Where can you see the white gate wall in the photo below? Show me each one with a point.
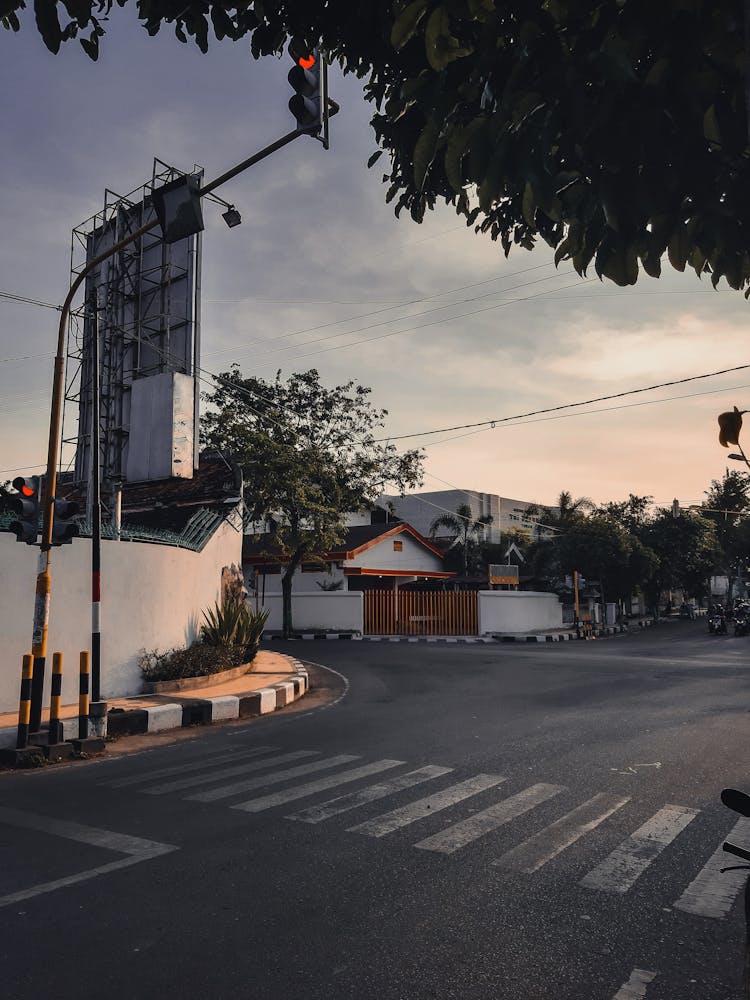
(518, 611)
(153, 597)
(336, 611)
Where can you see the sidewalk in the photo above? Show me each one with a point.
(276, 681)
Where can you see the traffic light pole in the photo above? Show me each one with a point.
(44, 579)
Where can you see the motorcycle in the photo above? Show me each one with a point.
(742, 622)
(739, 802)
(717, 624)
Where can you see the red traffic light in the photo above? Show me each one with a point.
(306, 62)
(27, 491)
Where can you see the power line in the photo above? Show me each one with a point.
(29, 301)
(567, 406)
(378, 312)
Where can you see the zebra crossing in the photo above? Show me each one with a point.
(276, 777)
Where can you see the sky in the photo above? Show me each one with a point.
(321, 274)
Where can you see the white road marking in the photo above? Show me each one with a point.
(711, 893)
(290, 794)
(165, 772)
(316, 814)
(224, 791)
(388, 822)
(460, 834)
(228, 772)
(635, 987)
(620, 869)
(530, 855)
(136, 848)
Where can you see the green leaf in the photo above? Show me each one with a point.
(48, 23)
(441, 47)
(679, 248)
(454, 154)
(528, 204)
(711, 126)
(406, 23)
(223, 26)
(424, 152)
(91, 46)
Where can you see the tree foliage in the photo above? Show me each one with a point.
(308, 455)
(686, 550)
(467, 532)
(616, 131)
(727, 506)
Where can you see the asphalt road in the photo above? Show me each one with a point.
(509, 822)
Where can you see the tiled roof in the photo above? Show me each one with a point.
(256, 547)
(170, 503)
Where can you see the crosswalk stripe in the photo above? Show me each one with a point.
(228, 772)
(711, 893)
(530, 855)
(165, 772)
(390, 821)
(290, 794)
(620, 869)
(343, 803)
(462, 833)
(224, 791)
(635, 987)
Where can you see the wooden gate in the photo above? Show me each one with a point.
(420, 613)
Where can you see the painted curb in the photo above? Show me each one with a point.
(192, 711)
(598, 632)
(206, 711)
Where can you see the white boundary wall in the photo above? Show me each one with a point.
(518, 611)
(336, 611)
(153, 597)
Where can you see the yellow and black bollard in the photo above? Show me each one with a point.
(83, 695)
(24, 708)
(55, 726)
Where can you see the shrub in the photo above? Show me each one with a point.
(233, 623)
(199, 660)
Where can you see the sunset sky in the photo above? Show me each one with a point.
(321, 274)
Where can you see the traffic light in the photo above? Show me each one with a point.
(64, 528)
(26, 505)
(308, 79)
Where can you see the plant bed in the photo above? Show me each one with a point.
(196, 662)
(195, 683)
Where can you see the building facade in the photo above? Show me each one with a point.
(421, 510)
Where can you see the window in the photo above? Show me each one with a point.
(398, 546)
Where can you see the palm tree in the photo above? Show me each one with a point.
(563, 515)
(465, 528)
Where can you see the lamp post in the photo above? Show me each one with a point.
(176, 205)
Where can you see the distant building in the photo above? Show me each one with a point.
(421, 509)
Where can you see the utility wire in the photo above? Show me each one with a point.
(567, 406)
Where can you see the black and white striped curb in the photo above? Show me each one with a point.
(192, 711)
(597, 631)
(204, 711)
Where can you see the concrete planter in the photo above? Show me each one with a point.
(195, 683)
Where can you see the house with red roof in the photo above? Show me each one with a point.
(371, 557)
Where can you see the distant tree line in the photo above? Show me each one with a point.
(629, 547)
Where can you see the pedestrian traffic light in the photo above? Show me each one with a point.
(64, 528)
(26, 505)
(307, 78)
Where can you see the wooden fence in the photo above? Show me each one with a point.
(420, 613)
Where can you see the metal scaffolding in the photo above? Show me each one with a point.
(149, 320)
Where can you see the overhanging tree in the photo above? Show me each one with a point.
(614, 130)
(308, 455)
